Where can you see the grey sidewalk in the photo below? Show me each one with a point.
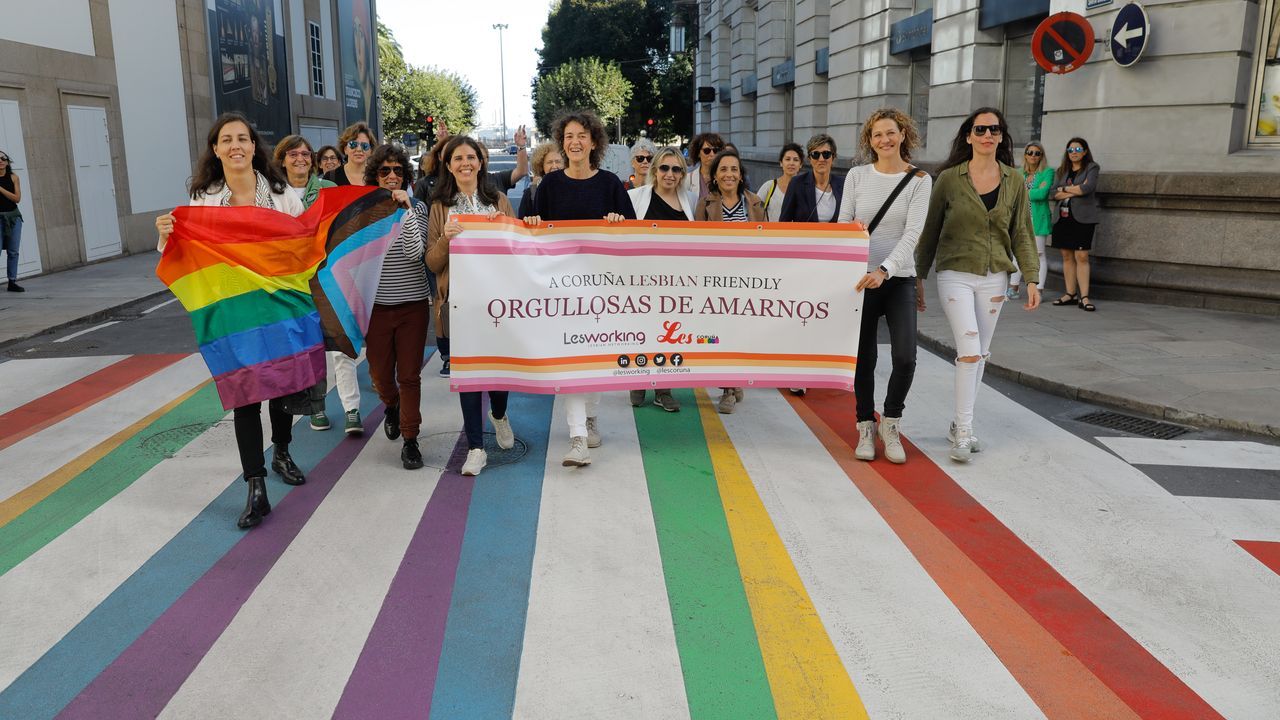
(84, 293)
(1203, 367)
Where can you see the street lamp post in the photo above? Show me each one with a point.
(502, 74)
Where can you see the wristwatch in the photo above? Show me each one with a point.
(884, 270)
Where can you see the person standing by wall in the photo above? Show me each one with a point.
(10, 219)
(774, 192)
(1074, 188)
(1039, 178)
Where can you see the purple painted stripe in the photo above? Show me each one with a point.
(272, 378)
(396, 673)
(144, 678)
(759, 379)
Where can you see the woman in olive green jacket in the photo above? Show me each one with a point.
(979, 221)
(1039, 178)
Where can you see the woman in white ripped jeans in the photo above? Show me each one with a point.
(979, 221)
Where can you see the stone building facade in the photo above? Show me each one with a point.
(1187, 137)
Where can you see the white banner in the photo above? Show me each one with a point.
(585, 306)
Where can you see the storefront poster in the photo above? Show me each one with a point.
(357, 40)
(584, 306)
(1269, 94)
(246, 41)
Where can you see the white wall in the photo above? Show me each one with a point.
(12, 143)
(57, 24)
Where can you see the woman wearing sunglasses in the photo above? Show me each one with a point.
(397, 332)
(10, 218)
(641, 161)
(815, 196)
(1074, 186)
(1039, 178)
(356, 141)
(660, 199)
(702, 149)
(979, 218)
(462, 191)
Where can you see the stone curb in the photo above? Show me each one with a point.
(95, 315)
(1120, 402)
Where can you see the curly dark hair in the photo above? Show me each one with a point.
(695, 145)
(388, 153)
(447, 185)
(591, 124)
(712, 186)
(209, 172)
(961, 151)
(791, 147)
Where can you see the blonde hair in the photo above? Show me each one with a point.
(658, 156)
(539, 156)
(907, 126)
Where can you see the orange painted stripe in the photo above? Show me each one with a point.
(29, 419)
(1126, 667)
(1267, 553)
(460, 360)
(1054, 678)
(628, 227)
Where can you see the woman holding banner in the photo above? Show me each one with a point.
(728, 201)
(235, 171)
(890, 197)
(660, 198)
(462, 191)
(979, 220)
(581, 192)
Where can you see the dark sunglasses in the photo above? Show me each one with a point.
(352, 145)
(386, 171)
(670, 169)
(821, 155)
(981, 130)
(1034, 153)
(1076, 149)
(643, 158)
(4, 158)
(711, 150)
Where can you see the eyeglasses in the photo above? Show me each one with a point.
(710, 149)
(298, 154)
(821, 155)
(1034, 153)
(670, 169)
(981, 130)
(386, 171)
(1075, 149)
(643, 158)
(352, 145)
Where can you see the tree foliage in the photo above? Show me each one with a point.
(585, 84)
(410, 93)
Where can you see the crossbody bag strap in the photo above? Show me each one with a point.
(912, 171)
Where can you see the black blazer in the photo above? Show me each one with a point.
(801, 206)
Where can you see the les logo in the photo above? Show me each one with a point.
(672, 335)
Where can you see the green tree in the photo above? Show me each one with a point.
(411, 93)
(585, 84)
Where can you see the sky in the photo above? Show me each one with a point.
(467, 44)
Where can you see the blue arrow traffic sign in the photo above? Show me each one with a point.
(1130, 34)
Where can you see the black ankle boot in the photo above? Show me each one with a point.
(282, 464)
(15, 287)
(391, 422)
(257, 506)
(410, 455)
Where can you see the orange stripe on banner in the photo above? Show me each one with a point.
(613, 364)
(459, 360)
(1054, 678)
(628, 227)
(29, 419)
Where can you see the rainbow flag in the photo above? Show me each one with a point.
(247, 276)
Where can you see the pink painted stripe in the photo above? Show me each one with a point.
(811, 252)
(145, 677)
(271, 379)
(395, 675)
(642, 382)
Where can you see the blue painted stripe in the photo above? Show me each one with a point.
(480, 659)
(261, 344)
(53, 681)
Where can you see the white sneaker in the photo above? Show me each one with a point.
(578, 454)
(974, 444)
(476, 460)
(893, 450)
(728, 399)
(866, 449)
(505, 436)
(961, 444)
(593, 433)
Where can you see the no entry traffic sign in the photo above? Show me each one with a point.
(1062, 43)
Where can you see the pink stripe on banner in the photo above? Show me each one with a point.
(641, 382)
(364, 261)
(271, 379)
(395, 676)
(627, 249)
(144, 678)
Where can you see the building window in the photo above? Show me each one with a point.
(918, 101)
(317, 60)
(1264, 111)
(1023, 89)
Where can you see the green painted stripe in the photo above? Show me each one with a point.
(249, 310)
(105, 479)
(724, 675)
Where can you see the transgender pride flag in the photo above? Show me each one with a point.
(268, 292)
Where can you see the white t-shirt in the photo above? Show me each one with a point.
(826, 203)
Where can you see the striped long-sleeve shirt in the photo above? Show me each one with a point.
(893, 244)
(404, 275)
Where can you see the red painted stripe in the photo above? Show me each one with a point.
(1268, 553)
(1119, 661)
(29, 419)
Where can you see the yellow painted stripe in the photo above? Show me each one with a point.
(219, 282)
(805, 673)
(49, 484)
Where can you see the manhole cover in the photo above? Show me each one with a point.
(171, 440)
(1143, 427)
(437, 448)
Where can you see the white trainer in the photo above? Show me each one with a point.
(578, 454)
(866, 449)
(961, 444)
(974, 445)
(476, 460)
(505, 436)
(728, 399)
(593, 433)
(893, 450)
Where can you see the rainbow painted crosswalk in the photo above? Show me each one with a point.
(705, 566)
